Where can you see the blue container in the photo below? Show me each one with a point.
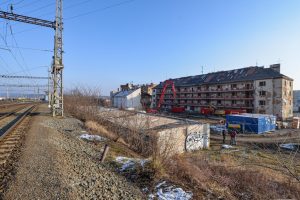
(251, 123)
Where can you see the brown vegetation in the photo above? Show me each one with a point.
(209, 174)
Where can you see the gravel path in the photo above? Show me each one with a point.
(57, 164)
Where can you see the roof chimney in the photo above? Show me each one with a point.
(275, 67)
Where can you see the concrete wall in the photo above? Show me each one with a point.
(130, 101)
(278, 99)
(296, 104)
(133, 100)
(184, 139)
(268, 98)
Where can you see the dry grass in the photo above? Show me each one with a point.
(99, 129)
(209, 174)
(223, 177)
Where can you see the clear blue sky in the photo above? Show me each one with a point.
(145, 41)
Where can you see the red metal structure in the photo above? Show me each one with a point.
(167, 83)
(175, 109)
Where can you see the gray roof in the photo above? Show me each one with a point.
(237, 75)
(124, 93)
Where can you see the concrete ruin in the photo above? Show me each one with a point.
(165, 135)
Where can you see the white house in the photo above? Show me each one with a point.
(127, 99)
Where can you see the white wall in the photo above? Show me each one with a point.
(133, 100)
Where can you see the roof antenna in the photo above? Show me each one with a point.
(11, 8)
(256, 63)
(202, 69)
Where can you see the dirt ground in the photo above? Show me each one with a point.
(56, 164)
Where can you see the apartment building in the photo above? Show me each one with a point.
(296, 101)
(254, 89)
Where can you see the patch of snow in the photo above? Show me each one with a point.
(289, 146)
(226, 146)
(92, 137)
(129, 163)
(170, 192)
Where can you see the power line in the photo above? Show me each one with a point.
(40, 8)
(27, 48)
(31, 69)
(101, 9)
(22, 57)
(18, 2)
(23, 77)
(80, 15)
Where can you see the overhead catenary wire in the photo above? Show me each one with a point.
(80, 15)
(100, 9)
(21, 55)
(27, 48)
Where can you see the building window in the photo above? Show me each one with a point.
(234, 94)
(233, 86)
(285, 82)
(262, 103)
(219, 94)
(262, 83)
(219, 101)
(233, 102)
(219, 86)
(262, 93)
(291, 83)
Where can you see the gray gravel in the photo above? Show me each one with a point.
(81, 170)
(57, 164)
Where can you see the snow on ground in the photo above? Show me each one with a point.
(129, 163)
(165, 191)
(226, 146)
(289, 146)
(92, 137)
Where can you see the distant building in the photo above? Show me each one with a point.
(146, 96)
(127, 97)
(132, 97)
(296, 108)
(254, 89)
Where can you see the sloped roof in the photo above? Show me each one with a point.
(242, 74)
(125, 93)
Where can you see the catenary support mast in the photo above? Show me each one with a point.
(57, 64)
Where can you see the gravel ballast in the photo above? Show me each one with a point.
(57, 164)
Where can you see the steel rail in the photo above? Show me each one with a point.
(11, 113)
(14, 123)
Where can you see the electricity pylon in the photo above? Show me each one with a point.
(57, 99)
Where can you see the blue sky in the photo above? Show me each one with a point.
(144, 41)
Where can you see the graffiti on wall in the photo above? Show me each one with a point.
(196, 140)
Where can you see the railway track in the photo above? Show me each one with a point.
(12, 128)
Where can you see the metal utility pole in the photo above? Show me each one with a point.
(57, 64)
(57, 68)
